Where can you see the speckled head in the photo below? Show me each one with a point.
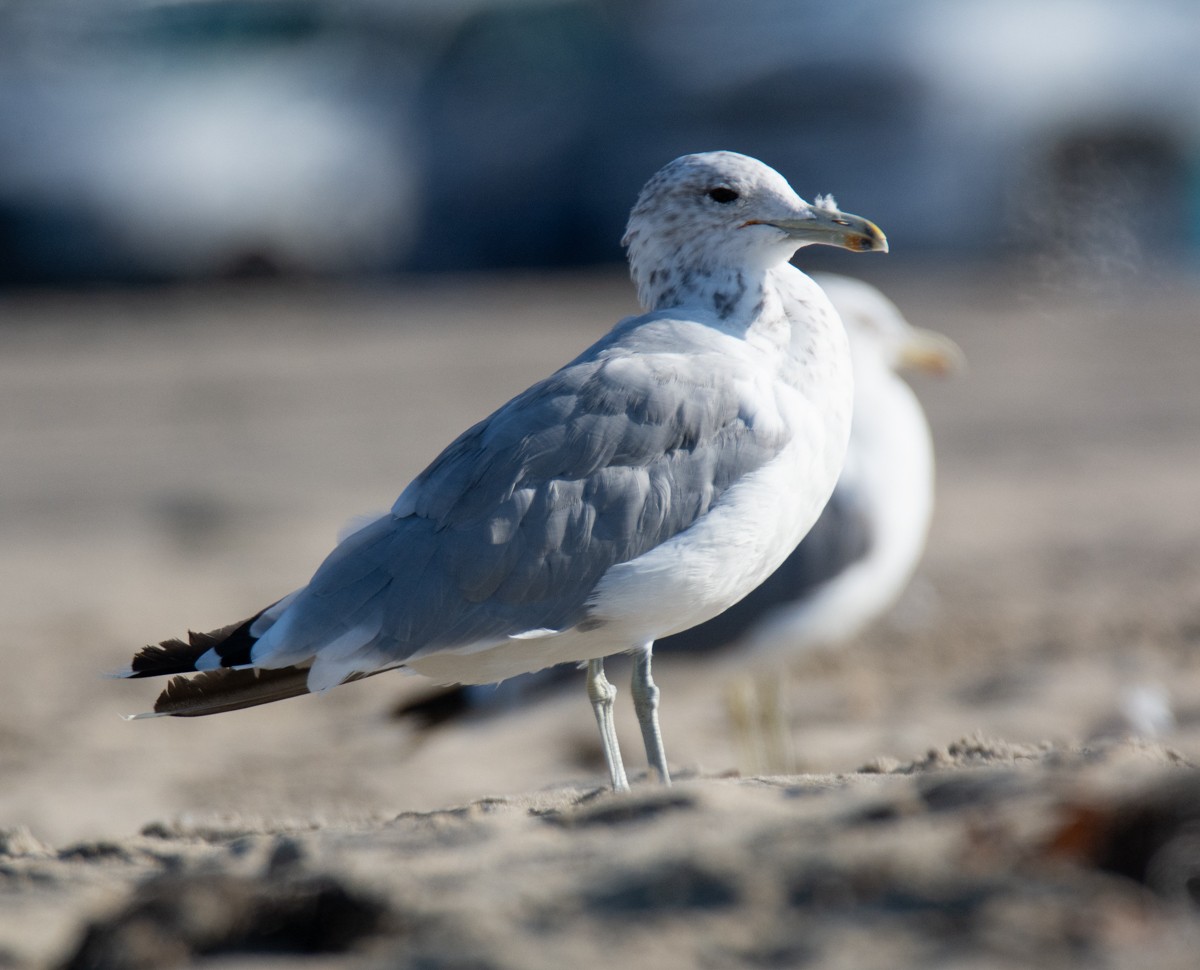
(721, 212)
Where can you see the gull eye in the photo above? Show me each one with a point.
(723, 195)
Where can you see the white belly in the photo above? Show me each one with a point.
(890, 472)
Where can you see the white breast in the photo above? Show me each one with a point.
(750, 531)
(889, 471)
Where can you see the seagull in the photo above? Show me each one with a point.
(640, 490)
(857, 558)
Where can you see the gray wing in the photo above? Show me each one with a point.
(839, 538)
(511, 527)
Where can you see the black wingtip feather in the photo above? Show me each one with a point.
(232, 644)
(221, 690)
(218, 691)
(434, 710)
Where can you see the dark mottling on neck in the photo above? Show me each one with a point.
(726, 301)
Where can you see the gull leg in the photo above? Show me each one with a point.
(601, 693)
(741, 702)
(777, 740)
(758, 714)
(645, 704)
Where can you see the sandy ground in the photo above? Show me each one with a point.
(964, 790)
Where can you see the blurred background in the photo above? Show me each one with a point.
(143, 140)
(261, 259)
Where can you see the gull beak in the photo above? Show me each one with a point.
(830, 227)
(931, 353)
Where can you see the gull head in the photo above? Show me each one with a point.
(880, 335)
(724, 212)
